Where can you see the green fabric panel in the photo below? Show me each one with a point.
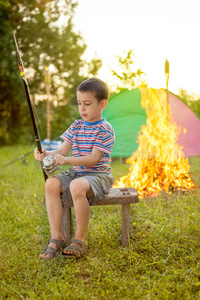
(126, 115)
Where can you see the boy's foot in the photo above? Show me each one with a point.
(75, 249)
(52, 249)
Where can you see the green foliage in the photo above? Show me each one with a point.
(161, 262)
(62, 117)
(43, 41)
(129, 78)
(195, 107)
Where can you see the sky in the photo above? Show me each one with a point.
(155, 29)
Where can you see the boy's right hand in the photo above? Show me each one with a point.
(39, 156)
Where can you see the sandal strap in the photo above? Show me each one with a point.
(49, 250)
(77, 250)
(60, 243)
(77, 242)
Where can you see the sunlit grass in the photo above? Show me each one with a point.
(162, 261)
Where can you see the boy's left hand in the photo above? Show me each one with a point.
(61, 160)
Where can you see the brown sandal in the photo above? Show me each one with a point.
(50, 250)
(77, 250)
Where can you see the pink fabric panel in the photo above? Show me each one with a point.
(185, 118)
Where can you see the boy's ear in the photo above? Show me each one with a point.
(103, 103)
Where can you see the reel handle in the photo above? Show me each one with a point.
(49, 165)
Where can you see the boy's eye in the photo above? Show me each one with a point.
(86, 104)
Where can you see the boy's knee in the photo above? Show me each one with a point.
(77, 188)
(52, 185)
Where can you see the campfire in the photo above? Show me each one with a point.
(159, 163)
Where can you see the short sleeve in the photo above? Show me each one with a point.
(68, 134)
(105, 141)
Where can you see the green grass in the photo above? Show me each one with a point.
(162, 261)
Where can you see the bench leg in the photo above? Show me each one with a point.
(67, 223)
(125, 224)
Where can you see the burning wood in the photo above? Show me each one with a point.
(159, 163)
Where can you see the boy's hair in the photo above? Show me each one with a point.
(96, 86)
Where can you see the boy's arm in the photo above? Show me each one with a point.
(63, 150)
(87, 160)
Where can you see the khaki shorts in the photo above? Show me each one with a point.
(100, 184)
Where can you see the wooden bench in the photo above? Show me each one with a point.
(116, 196)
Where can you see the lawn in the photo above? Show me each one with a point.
(162, 261)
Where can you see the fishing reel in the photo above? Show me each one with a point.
(50, 165)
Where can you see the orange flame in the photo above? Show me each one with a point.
(159, 163)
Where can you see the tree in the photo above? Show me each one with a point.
(129, 79)
(43, 41)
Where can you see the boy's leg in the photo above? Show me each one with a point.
(80, 189)
(54, 211)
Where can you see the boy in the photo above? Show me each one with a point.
(91, 140)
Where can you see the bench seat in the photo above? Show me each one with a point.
(116, 196)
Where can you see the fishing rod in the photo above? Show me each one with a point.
(22, 157)
(27, 91)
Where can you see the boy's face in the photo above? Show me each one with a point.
(89, 107)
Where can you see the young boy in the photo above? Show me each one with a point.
(91, 140)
